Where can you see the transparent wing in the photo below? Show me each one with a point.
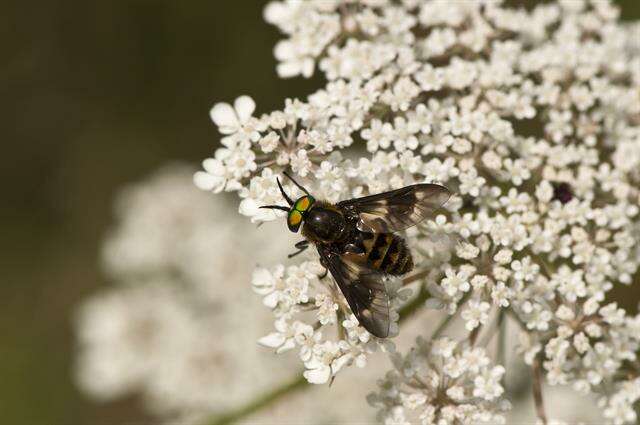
(363, 289)
(397, 209)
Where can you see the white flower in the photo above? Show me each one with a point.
(300, 162)
(231, 119)
(503, 256)
(269, 142)
(284, 337)
(518, 172)
(323, 364)
(443, 347)
(537, 316)
(501, 294)
(378, 135)
(487, 385)
(214, 176)
(307, 339)
(476, 314)
(327, 308)
(467, 251)
(471, 183)
(442, 366)
(270, 284)
(263, 190)
(455, 366)
(525, 270)
(455, 282)
(620, 407)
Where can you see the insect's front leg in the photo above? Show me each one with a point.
(353, 249)
(323, 275)
(326, 268)
(301, 246)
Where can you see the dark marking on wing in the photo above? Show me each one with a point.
(376, 251)
(362, 287)
(397, 209)
(381, 250)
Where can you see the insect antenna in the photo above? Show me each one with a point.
(296, 183)
(275, 207)
(286, 197)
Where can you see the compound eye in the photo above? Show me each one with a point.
(294, 220)
(303, 203)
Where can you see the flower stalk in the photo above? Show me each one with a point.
(537, 390)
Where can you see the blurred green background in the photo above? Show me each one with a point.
(96, 94)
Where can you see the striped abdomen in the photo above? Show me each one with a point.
(387, 252)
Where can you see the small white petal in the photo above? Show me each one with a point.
(244, 108)
(288, 345)
(223, 115)
(205, 181)
(275, 12)
(272, 340)
(281, 325)
(340, 362)
(248, 207)
(284, 50)
(318, 376)
(213, 166)
(307, 68)
(271, 300)
(287, 69)
(262, 281)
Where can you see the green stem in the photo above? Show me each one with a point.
(294, 385)
(410, 308)
(517, 319)
(502, 342)
(537, 389)
(442, 326)
(445, 322)
(502, 337)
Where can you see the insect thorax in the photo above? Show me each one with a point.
(324, 223)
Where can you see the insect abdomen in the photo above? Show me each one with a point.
(387, 252)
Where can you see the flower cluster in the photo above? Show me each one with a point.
(176, 326)
(620, 406)
(531, 117)
(297, 292)
(441, 381)
(532, 125)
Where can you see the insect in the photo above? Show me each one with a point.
(356, 242)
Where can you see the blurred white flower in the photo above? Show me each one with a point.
(121, 332)
(179, 259)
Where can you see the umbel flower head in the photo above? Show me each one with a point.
(441, 381)
(531, 117)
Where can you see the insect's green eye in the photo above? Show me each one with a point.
(294, 220)
(304, 203)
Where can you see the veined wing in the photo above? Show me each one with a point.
(397, 209)
(363, 289)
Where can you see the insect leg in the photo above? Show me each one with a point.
(301, 246)
(353, 248)
(323, 275)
